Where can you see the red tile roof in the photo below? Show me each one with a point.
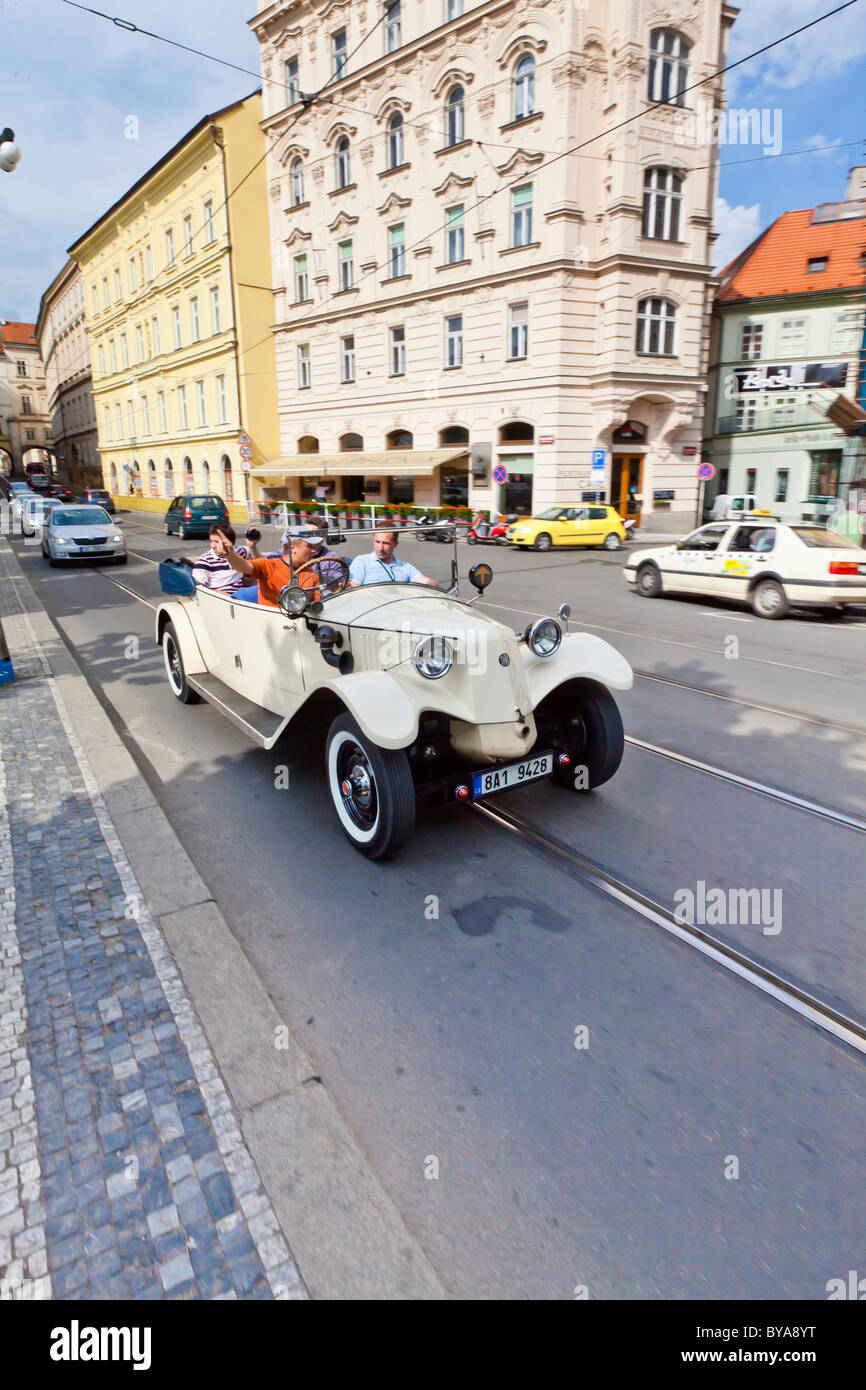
(18, 334)
(777, 262)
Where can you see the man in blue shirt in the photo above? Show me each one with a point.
(382, 565)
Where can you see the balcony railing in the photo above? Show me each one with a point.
(773, 419)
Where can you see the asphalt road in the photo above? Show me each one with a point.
(608, 1166)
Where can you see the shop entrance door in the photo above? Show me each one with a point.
(626, 483)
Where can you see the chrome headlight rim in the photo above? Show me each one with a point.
(446, 657)
(534, 637)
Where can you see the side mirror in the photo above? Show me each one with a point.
(480, 576)
(564, 612)
(293, 600)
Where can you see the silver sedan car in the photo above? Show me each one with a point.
(82, 533)
(35, 512)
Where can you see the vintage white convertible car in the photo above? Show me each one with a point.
(422, 693)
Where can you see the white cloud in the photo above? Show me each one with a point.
(737, 228)
(822, 51)
(825, 146)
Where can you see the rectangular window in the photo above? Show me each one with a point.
(816, 263)
(145, 416)
(139, 338)
(94, 298)
(169, 246)
(781, 494)
(209, 223)
(112, 352)
(133, 275)
(751, 476)
(347, 358)
(521, 215)
(847, 331)
(101, 351)
(175, 323)
(105, 296)
(301, 279)
(188, 236)
(784, 409)
(202, 403)
(746, 409)
(398, 351)
(181, 407)
(518, 330)
(26, 405)
(194, 319)
(222, 400)
(824, 475)
(130, 416)
(304, 376)
(751, 335)
(792, 335)
(124, 350)
(454, 341)
(347, 272)
(454, 9)
(118, 420)
(107, 414)
(216, 311)
(397, 249)
(338, 48)
(118, 285)
(148, 255)
(21, 368)
(160, 405)
(392, 26)
(454, 234)
(154, 336)
(293, 89)
(31, 434)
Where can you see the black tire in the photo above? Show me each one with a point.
(648, 581)
(421, 536)
(582, 718)
(471, 540)
(173, 660)
(769, 600)
(371, 788)
(834, 615)
(167, 529)
(543, 542)
(121, 559)
(52, 562)
(612, 542)
(181, 531)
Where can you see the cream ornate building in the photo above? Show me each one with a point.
(455, 289)
(62, 336)
(25, 425)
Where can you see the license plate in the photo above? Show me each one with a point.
(500, 779)
(209, 516)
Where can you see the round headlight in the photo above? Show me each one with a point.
(433, 657)
(544, 636)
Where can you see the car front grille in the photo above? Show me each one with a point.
(89, 540)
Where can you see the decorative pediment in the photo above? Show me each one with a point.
(291, 150)
(393, 102)
(332, 7)
(521, 162)
(341, 221)
(286, 37)
(393, 203)
(453, 76)
(518, 46)
(454, 184)
(296, 238)
(337, 131)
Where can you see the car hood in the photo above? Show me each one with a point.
(101, 529)
(380, 609)
(658, 552)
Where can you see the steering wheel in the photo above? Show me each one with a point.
(327, 560)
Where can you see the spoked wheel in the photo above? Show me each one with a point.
(542, 542)
(769, 599)
(648, 582)
(582, 719)
(180, 687)
(371, 789)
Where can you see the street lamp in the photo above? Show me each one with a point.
(9, 151)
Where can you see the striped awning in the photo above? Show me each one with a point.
(400, 463)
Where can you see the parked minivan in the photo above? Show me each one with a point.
(195, 515)
(728, 506)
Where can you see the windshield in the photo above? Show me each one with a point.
(826, 540)
(551, 514)
(79, 516)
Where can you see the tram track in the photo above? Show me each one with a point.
(809, 1007)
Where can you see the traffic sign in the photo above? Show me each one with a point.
(243, 438)
(599, 463)
(706, 471)
(689, 450)
(500, 473)
(245, 465)
(547, 439)
(245, 452)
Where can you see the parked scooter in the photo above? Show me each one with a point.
(628, 525)
(484, 532)
(432, 528)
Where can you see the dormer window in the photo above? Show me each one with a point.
(817, 263)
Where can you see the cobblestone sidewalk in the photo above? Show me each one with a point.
(123, 1172)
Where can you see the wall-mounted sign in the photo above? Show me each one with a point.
(547, 439)
(480, 462)
(663, 495)
(789, 376)
(597, 496)
(599, 463)
(689, 450)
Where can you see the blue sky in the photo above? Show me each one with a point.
(70, 80)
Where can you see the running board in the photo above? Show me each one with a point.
(261, 725)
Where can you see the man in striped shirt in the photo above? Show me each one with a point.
(212, 571)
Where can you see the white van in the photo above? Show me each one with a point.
(728, 506)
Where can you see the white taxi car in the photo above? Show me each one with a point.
(766, 563)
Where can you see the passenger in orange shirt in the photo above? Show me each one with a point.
(272, 575)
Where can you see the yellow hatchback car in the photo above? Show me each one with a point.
(564, 525)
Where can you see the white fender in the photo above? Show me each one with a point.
(190, 652)
(383, 710)
(580, 655)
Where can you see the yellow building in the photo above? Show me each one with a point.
(177, 278)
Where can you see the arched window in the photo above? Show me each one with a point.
(395, 141)
(136, 477)
(524, 88)
(398, 439)
(308, 444)
(656, 323)
(167, 479)
(151, 478)
(516, 431)
(113, 476)
(350, 442)
(668, 66)
(662, 199)
(297, 179)
(454, 434)
(454, 117)
(188, 479)
(226, 469)
(344, 163)
(205, 476)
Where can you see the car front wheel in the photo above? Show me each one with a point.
(180, 687)
(648, 581)
(769, 600)
(542, 542)
(581, 718)
(371, 788)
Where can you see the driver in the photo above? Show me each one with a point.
(383, 565)
(272, 573)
